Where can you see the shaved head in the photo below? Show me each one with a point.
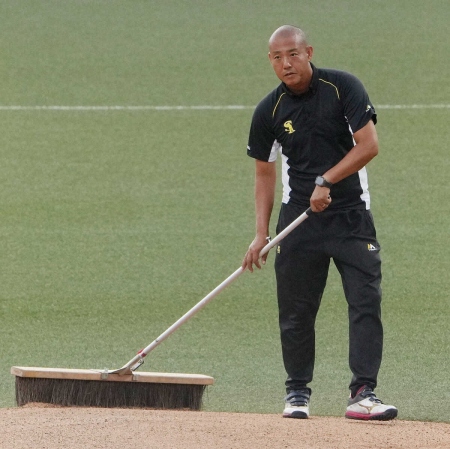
(290, 56)
(289, 31)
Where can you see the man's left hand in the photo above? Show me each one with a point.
(320, 199)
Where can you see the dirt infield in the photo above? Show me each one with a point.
(40, 427)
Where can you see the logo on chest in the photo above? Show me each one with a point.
(288, 127)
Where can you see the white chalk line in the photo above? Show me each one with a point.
(124, 108)
(189, 108)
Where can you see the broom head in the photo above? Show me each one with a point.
(96, 388)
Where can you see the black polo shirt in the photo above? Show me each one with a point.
(313, 132)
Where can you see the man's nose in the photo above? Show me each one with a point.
(286, 62)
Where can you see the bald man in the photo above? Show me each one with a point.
(322, 124)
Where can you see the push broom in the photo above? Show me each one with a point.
(124, 387)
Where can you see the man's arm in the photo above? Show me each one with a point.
(362, 153)
(265, 180)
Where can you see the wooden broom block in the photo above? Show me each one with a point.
(90, 374)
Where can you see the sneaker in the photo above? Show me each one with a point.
(365, 405)
(296, 404)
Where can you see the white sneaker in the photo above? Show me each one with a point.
(296, 404)
(365, 405)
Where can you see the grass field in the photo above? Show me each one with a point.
(115, 222)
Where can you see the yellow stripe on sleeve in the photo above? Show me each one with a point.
(275, 108)
(331, 84)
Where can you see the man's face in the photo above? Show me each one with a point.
(290, 58)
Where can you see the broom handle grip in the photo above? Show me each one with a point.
(214, 292)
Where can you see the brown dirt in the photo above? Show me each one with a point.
(45, 427)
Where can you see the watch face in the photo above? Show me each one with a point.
(322, 182)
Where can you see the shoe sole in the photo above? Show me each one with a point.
(296, 415)
(386, 416)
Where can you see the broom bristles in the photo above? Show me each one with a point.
(92, 393)
(68, 387)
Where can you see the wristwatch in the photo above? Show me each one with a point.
(322, 182)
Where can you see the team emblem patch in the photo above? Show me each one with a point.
(288, 127)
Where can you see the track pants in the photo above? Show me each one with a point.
(301, 265)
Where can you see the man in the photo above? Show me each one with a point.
(323, 124)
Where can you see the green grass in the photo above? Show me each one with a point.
(114, 224)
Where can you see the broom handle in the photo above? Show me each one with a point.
(138, 357)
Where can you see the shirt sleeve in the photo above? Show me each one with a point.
(358, 108)
(262, 144)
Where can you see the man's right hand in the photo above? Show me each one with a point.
(252, 255)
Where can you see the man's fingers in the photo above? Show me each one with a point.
(252, 258)
(257, 263)
(320, 204)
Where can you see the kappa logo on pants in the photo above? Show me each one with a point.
(370, 247)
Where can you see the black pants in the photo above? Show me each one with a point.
(302, 262)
